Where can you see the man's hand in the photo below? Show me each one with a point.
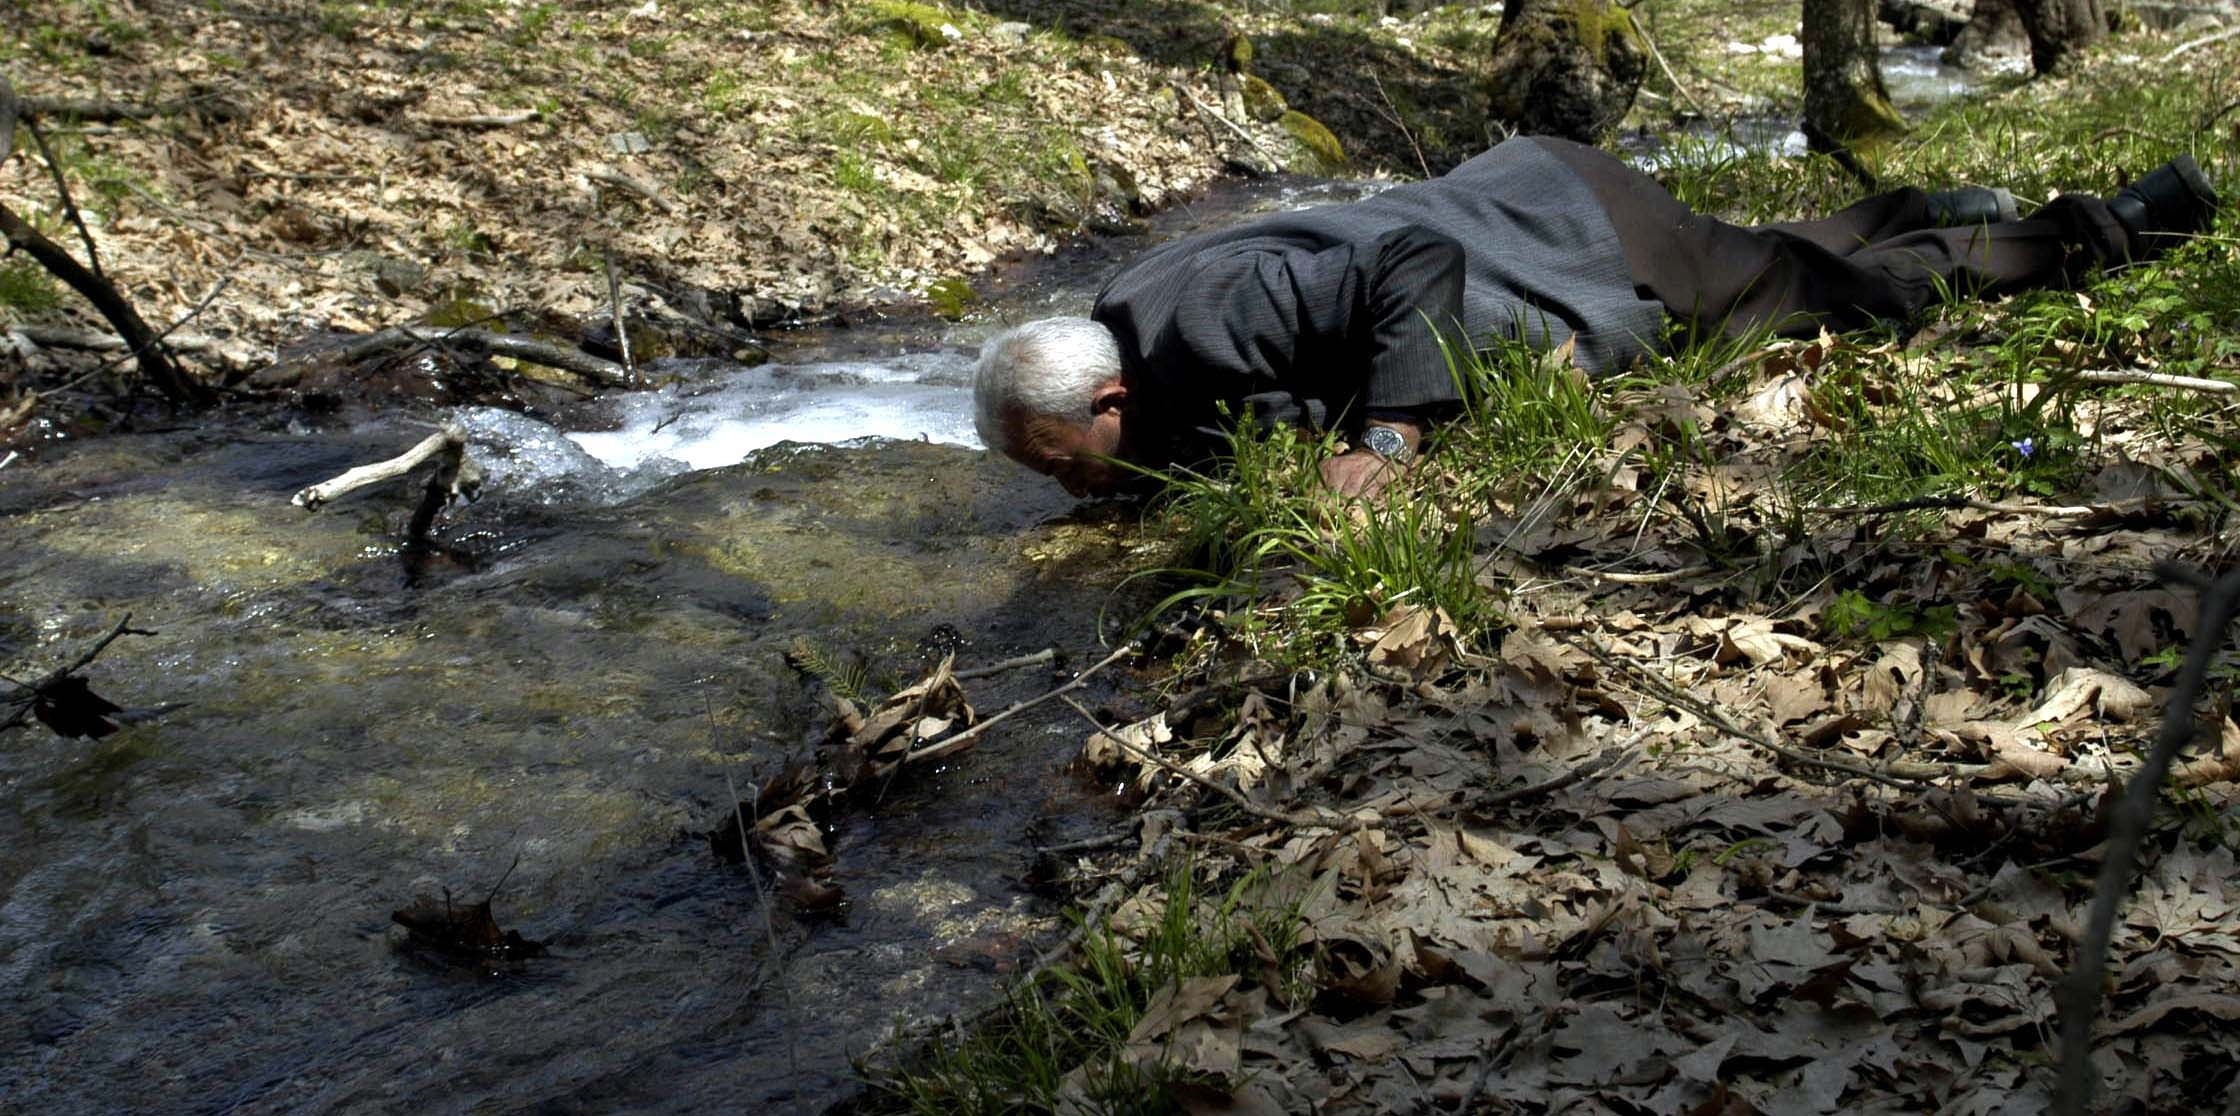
(1364, 472)
(1359, 474)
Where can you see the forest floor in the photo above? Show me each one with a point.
(1734, 737)
(1737, 736)
(345, 166)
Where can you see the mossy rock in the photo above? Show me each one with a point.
(459, 312)
(1316, 140)
(1237, 53)
(1263, 101)
(1110, 46)
(921, 24)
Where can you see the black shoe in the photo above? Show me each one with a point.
(1972, 205)
(2166, 205)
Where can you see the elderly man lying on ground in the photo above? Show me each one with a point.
(1331, 318)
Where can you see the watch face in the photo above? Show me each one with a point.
(1385, 442)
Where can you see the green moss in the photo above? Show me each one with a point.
(456, 313)
(952, 298)
(1263, 100)
(1238, 53)
(1316, 139)
(1870, 119)
(919, 24)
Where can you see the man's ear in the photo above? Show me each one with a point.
(1108, 396)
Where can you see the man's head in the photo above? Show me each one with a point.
(1049, 395)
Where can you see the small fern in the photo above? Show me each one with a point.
(849, 679)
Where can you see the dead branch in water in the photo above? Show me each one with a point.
(454, 476)
(604, 373)
(60, 697)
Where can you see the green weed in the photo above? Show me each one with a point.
(26, 288)
(1076, 1019)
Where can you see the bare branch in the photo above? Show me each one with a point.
(62, 187)
(483, 120)
(447, 445)
(2156, 379)
(155, 362)
(605, 373)
(2080, 994)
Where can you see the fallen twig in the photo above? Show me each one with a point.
(614, 177)
(949, 743)
(1612, 757)
(1963, 503)
(111, 112)
(28, 694)
(606, 373)
(1392, 113)
(2080, 994)
(1046, 655)
(1622, 577)
(621, 327)
(2203, 41)
(448, 445)
(1646, 40)
(1899, 775)
(1209, 112)
(483, 120)
(1234, 795)
(2156, 379)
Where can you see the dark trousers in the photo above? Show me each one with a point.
(1880, 259)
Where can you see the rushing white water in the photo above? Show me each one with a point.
(717, 414)
(924, 395)
(916, 396)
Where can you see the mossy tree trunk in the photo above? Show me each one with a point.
(2060, 28)
(1845, 104)
(1565, 68)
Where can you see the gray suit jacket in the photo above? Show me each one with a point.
(1325, 315)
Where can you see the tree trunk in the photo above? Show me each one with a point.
(2060, 28)
(1845, 104)
(1565, 68)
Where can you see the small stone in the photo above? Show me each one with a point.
(629, 143)
(1012, 32)
(394, 277)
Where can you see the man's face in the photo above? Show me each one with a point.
(1079, 456)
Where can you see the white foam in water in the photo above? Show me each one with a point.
(710, 424)
(918, 396)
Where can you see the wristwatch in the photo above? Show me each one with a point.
(1387, 443)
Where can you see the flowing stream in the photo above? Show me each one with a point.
(194, 911)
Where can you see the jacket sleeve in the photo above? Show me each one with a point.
(1354, 325)
(1411, 298)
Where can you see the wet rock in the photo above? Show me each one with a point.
(395, 277)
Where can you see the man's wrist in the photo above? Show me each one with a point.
(1393, 436)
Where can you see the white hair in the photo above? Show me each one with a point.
(1050, 368)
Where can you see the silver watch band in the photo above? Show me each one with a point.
(1387, 443)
